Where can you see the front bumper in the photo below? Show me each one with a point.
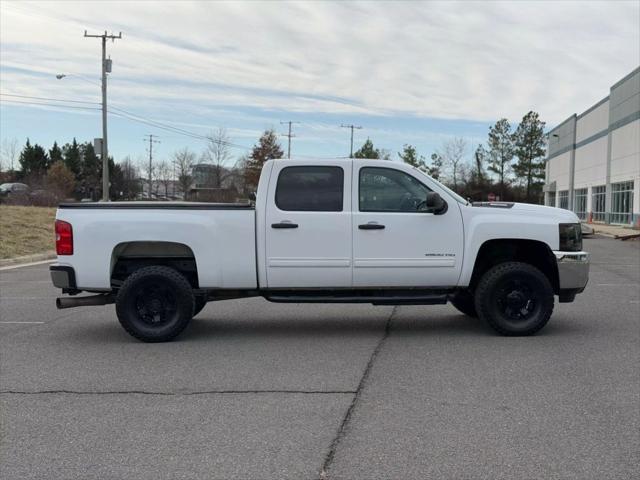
(573, 270)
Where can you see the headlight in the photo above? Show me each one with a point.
(570, 237)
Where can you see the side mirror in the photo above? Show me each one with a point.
(435, 204)
(252, 196)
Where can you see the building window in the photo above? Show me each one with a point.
(563, 199)
(551, 199)
(580, 203)
(621, 202)
(310, 189)
(598, 201)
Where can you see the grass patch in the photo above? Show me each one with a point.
(26, 230)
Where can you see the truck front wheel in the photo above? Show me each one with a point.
(514, 298)
(155, 304)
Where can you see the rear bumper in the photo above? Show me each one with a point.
(63, 277)
(573, 270)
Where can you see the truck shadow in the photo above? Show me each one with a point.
(212, 327)
(454, 325)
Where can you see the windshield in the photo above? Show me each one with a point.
(458, 198)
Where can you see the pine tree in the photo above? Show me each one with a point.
(530, 150)
(410, 156)
(90, 172)
(71, 157)
(55, 154)
(435, 170)
(367, 151)
(501, 152)
(33, 160)
(267, 148)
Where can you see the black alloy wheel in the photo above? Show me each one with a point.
(155, 304)
(515, 298)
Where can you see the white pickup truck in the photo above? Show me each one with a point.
(323, 231)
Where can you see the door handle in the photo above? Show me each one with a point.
(284, 225)
(371, 226)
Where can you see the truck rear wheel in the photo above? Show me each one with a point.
(464, 301)
(155, 304)
(515, 298)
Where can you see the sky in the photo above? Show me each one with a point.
(407, 72)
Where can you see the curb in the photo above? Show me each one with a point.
(36, 257)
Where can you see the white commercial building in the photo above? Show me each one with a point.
(593, 161)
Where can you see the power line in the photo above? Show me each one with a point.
(170, 128)
(120, 112)
(152, 124)
(351, 127)
(47, 98)
(160, 124)
(289, 136)
(58, 105)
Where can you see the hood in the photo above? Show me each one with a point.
(510, 208)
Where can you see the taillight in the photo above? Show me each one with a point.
(64, 238)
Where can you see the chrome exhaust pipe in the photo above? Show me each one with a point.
(69, 302)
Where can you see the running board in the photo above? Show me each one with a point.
(347, 297)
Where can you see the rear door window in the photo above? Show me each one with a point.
(310, 189)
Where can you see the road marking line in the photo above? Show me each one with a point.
(41, 262)
(21, 322)
(27, 298)
(618, 284)
(25, 281)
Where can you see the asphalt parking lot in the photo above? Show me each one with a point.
(255, 390)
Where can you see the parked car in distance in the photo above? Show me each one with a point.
(322, 231)
(8, 189)
(586, 229)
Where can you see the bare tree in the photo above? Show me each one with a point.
(217, 153)
(164, 175)
(452, 154)
(130, 179)
(149, 172)
(183, 161)
(9, 154)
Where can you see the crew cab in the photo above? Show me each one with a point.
(321, 231)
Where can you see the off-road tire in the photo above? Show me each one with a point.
(155, 304)
(518, 283)
(465, 302)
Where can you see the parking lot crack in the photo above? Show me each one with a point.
(328, 459)
(198, 392)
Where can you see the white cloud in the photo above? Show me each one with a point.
(471, 60)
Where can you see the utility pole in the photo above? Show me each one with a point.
(106, 68)
(351, 127)
(289, 136)
(151, 142)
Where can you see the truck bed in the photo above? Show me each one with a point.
(220, 237)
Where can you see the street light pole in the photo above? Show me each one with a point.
(105, 149)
